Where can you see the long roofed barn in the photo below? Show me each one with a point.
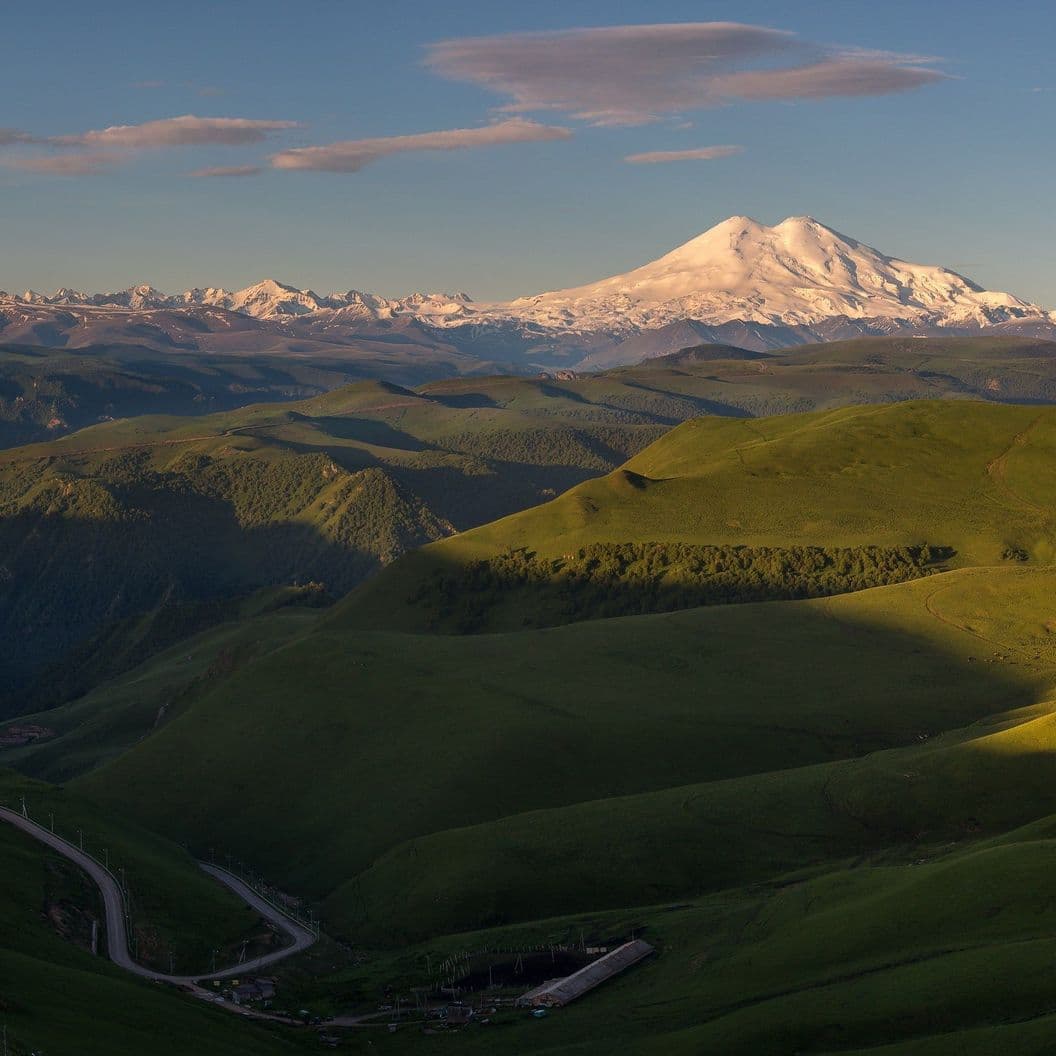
(558, 992)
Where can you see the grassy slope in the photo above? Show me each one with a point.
(569, 754)
(331, 487)
(122, 711)
(948, 951)
(951, 474)
(103, 524)
(415, 735)
(46, 393)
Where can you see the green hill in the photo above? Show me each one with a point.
(103, 529)
(46, 393)
(832, 813)
(416, 735)
(965, 478)
(858, 759)
(331, 488)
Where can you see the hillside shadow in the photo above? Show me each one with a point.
(370, 431)
(467, 501)
(463, 401)
(65, 579)
(702, 404)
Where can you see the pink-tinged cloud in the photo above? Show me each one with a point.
(656, 157)
(86, 164)
(352, 155)
(822, 80)
(226, 170)
(184, 131)
(627, 75)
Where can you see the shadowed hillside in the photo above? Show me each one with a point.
(970, 478)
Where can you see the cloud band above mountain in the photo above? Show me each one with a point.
(187, 130)
(227, 170)
(79, 164)
(627, 75)
(351, 155)
(655, 157)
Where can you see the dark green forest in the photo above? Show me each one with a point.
(629, 579)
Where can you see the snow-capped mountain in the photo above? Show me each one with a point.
(740, 282)
(798, 272)
(269, 299)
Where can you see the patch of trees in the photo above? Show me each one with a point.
(592, 446)
(624, 579)
(87, 546)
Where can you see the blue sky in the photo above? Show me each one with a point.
(956, 170)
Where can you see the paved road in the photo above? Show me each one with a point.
(114, 905)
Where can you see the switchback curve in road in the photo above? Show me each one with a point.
(114, 907)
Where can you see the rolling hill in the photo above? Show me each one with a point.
(896, 476)
(837, 802)
(974, 512)
(330, 488)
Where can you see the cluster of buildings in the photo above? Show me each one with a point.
(253, 990)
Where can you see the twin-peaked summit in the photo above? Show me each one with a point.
(798, 272)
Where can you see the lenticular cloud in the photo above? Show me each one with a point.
(626, 75)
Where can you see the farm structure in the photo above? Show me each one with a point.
(558, 992)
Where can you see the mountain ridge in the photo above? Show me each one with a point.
(740, 282)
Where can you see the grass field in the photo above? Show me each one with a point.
(833, 817)
(483, 728)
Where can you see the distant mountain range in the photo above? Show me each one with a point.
(741, 282)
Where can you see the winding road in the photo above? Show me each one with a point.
(114, 906)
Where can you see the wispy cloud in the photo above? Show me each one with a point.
(10, 137)
(81, 164)
(352, 155)
(226, 170)
(656, 157)
(822, 80)
(627, 75)
(187, 130)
